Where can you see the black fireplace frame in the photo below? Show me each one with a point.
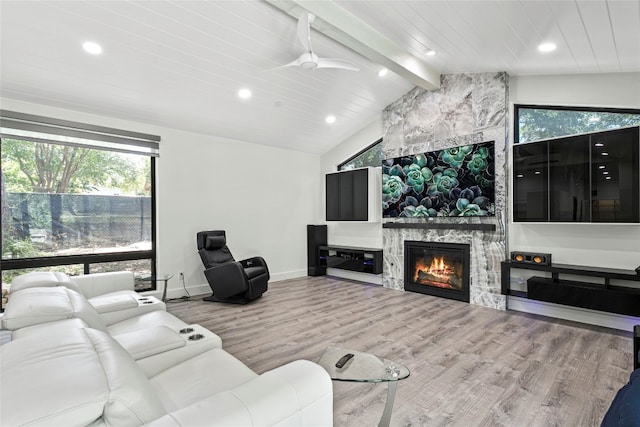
(461, 295)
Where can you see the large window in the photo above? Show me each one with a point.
(576, 164)
(370, 156)
(76, 198)
(538, 122)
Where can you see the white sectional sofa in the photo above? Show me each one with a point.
(68, 364)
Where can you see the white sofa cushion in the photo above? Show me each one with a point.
(44, 329)
(151, 341)
(33, 306)
(88, 377)
(92, 285)
(154, 364)
(42, 279)
(202, 376)
(121, 305)
(297, 394)
(145, 321)
(132, 399)
(115, 301)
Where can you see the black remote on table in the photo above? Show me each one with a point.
(343, 360)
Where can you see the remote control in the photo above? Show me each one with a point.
(343, 360)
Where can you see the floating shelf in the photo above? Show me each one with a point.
(595, 296)
(366, 260)
(439, 226)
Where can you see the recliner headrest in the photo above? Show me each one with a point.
(215, 242)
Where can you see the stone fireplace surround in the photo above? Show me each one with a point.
(467, 109)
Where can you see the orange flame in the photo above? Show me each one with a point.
(437, 268)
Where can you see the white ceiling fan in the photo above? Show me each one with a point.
(309, 60)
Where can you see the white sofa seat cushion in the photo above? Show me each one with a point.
(159, 348)
(151, 341)
(145, 321)
(33, 306)
(73, 378)
(297, 394)
(200, 377)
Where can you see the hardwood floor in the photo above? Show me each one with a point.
(470, 365)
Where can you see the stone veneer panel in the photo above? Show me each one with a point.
(467, 109)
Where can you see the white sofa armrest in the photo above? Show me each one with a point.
(297, 394)
(92, 285)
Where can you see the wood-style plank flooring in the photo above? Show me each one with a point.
(470, 365)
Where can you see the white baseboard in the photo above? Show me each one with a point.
(354, 275)
(205, 289)
(288, 275)
(202, 289)
(576, 314)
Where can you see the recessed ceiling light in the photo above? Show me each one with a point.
(605, 154)
(244, 93)
(547, 47)
(383, 72)
(605, 173)
(537, 172)
(601, 167)
(330, 119)
(519, 176)
(92, 48)
(608, 177)
(599, 144)
(430, 52)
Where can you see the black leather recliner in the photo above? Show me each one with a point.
(230, 280)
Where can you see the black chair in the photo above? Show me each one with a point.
(231, 281)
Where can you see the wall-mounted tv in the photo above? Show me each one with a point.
(454, 182)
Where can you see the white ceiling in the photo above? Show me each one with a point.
(179, 64)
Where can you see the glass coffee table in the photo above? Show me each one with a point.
(366, 368)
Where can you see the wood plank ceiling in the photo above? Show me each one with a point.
(180, 64)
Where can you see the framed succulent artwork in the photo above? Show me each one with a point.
(454, 182)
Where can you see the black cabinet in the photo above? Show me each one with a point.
(530, 182)
(347, 195)
(584, 178)
(569, 199)
(615, 177)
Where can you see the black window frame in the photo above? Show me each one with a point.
(518, 107)
(350, 159)
(96, 258)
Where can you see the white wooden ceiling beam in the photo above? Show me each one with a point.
(349, 30)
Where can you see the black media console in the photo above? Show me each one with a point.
(365, 260)
(612, 298)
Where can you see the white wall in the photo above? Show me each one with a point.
(361, 234)
(601, 245)
(350, 233)
(262, 196)
(615, 246)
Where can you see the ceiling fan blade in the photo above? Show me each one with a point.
(337, 63)
(304, 30)
(294, 63)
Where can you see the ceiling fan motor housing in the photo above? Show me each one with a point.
(308, 61)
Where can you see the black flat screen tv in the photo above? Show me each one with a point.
(454, 182)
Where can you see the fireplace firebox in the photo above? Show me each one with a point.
(438, 269)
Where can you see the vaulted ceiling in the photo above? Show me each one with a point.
(180, 64)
